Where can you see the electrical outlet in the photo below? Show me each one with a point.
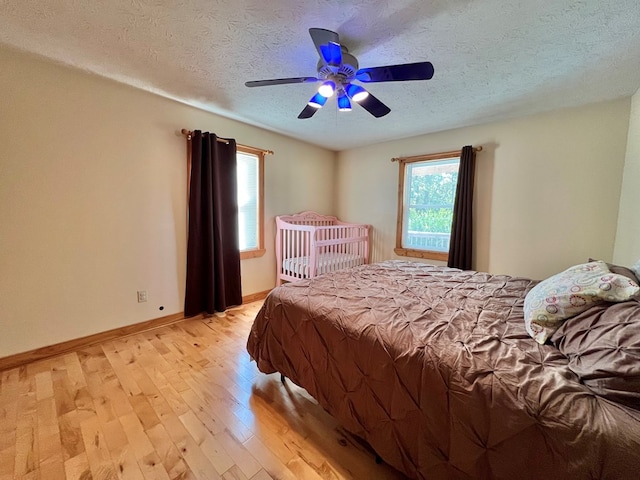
(142, 296)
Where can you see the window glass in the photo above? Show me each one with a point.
(250, 162)
(248, 201)
(429, 194)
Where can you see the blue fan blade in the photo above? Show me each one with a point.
(280, 81)
(331, 54)
(374, 106)
(322, 36)
(396, 73)
(308, 112)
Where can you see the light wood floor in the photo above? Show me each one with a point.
(179, 402)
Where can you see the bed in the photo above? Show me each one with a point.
(434, 368)
(309, 244)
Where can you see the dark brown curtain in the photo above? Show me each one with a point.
(460, 249)
(213, 257)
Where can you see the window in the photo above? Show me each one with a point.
(250, 201)
(427, 190)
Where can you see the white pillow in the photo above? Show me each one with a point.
(571, 292)
(636, 269)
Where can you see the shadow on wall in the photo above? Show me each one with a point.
(482, 201)
(376, 246)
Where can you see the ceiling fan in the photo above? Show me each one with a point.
(337, 70)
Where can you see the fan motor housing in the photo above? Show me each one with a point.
(347, 69)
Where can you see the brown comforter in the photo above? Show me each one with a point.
(433, 367)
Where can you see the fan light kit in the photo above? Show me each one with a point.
(317, 101)
(337, 69)
(327, 89)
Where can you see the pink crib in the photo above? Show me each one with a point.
(309, 244)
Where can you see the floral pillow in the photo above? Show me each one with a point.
(565, 295)
(620, 270)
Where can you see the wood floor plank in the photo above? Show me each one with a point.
(44, 385)
(124, 460)
(63, 391)
(209, 445)
(167, 400)
(169, 455)
(119, 400)
(26, 453)
(129, 385)
(322, 431)
(181, 402)
(95, 365)
(204, 411)
(261, 475)
(146, 455)
(196, 459)
(308, 460)
(70, 433)
(235, 416)
(145, 412)
(189, 450)
(96, 449)
(274, 434)
(234, 473)
(51, 459)
(169, 358)
(186, 346)
(84, 401)
(7, 463)
(302, 470)
(242, 457)
(74, 370)
(77, 468)
(271, 464)
(8, 416)
(147, 353)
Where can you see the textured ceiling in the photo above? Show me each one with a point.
(493, 59)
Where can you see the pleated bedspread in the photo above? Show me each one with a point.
(432, 366)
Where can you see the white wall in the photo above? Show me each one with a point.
(627, 248)
(93, 201)
(93, 196)
(547, 187)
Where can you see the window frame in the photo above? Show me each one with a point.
(260, 250)
(415, 252)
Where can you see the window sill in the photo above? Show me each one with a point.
(429, 254)
(258, 252)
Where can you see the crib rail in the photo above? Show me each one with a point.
(310, 218)
(305, 251)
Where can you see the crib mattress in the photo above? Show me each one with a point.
(326, 262)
